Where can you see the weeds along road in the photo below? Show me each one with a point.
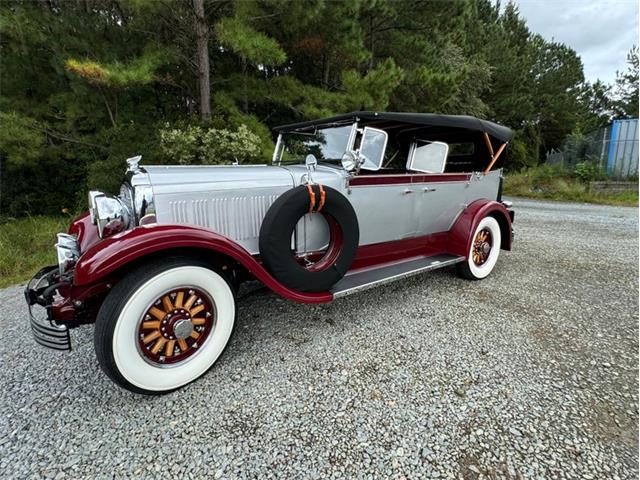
(531, 373)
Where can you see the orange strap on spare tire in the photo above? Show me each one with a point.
(312, 198)
(323, 197)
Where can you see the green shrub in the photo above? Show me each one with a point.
(588, 172)
(520, 154)
(210, 146)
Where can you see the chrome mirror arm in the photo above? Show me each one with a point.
(276, 158)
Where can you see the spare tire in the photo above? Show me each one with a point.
(277, 229)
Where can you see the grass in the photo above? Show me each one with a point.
(558, 184)
(26, 245)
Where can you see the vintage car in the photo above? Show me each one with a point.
(348, 203)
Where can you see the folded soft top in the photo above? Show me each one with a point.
(386, 119)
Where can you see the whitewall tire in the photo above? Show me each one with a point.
(164, 325)
(484, 251)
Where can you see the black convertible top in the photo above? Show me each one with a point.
(464, 122)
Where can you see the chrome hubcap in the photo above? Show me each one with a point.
(482, 247)
(182, 329)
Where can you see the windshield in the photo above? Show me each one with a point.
(327, 144)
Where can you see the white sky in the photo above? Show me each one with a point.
(601, 31)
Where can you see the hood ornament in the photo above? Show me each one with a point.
(133, 164)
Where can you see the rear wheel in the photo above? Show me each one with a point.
(484, 251)
(164, 325)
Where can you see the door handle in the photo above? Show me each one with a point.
(407, 191)
(429, 189)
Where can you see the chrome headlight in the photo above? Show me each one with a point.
(109, 213)
(68, 252)
(138, 193)
(143, 205)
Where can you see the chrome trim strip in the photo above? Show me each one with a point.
(275, 159)
(68, 251)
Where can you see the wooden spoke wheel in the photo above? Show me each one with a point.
(175, 325)
(482, 244)
(164, 324)
(484, 249)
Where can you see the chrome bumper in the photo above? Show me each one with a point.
(40, 291)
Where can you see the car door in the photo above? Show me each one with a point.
(384, 205)
(439, 199)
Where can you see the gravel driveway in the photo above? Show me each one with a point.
(531, 373)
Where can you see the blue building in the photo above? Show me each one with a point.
(622, 154)
(613, 149)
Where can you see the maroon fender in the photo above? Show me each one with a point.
(461, 234)
(114, 252)
(85, 230)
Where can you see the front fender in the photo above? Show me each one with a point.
(86, 232)
(117, 251)
(461, 234)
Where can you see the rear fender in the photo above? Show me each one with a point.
(461, 234)
(113, 253)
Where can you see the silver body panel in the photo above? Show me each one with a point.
(385, 212)
(233, 200)
(230, 200)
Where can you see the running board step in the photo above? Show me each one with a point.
(365, 279)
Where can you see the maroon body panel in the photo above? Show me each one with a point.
(461, 234)
(385, 252)
(86, 231)
(117, 251)
(407, 178)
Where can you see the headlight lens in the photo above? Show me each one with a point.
(143, 205)
(68, 252)
(109, 213)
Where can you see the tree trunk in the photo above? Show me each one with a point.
(245, 98)
(371, 42)
(202, 55)
(325, 71)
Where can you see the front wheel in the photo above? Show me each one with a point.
(484, 251)
(164, 325)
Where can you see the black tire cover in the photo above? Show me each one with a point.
(278, 226)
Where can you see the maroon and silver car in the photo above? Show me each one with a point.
(348, 203)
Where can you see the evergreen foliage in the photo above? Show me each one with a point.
(86, 84)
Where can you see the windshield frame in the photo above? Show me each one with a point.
(278, 151)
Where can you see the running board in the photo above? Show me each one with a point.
(372, 277)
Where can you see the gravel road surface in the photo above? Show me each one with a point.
(531, 373)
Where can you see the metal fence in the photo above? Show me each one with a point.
(614, 149)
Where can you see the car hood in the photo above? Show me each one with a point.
(170, 179)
